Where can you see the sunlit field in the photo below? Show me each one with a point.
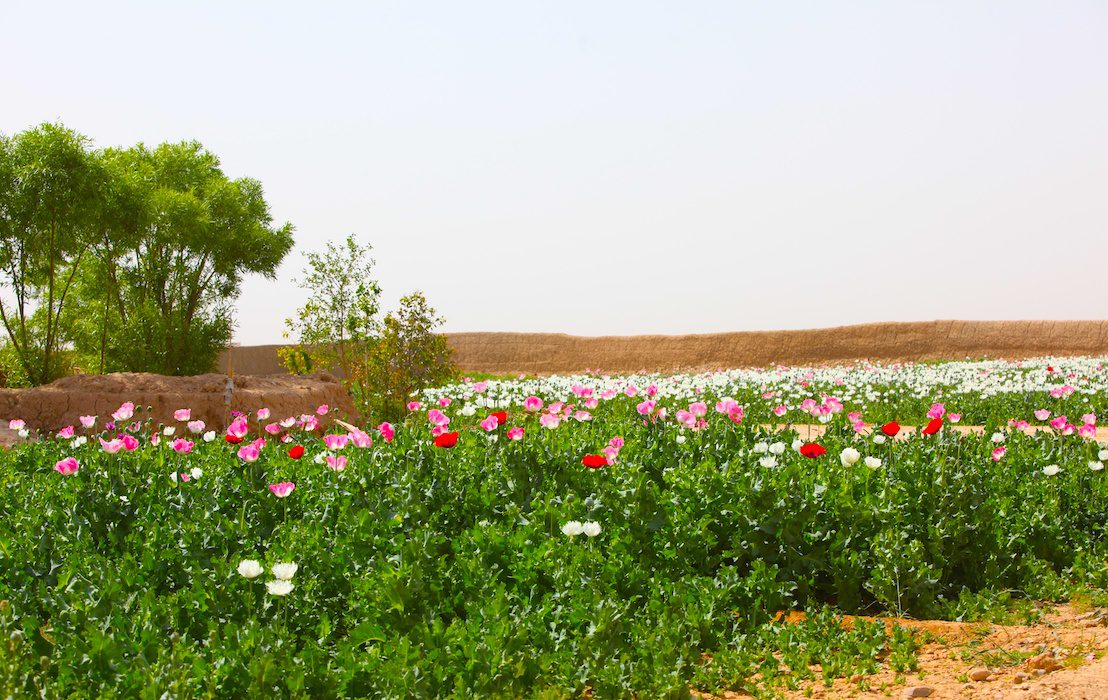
(551, 537)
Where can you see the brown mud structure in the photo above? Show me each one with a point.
(56, 405)
(549, 353)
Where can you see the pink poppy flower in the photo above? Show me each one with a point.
(311, 423)
(273, 428)
(130, 442)
(438, 418)
(182, 446)
(549, 420)
(67, 466)
(444, 402)
(698, 409)
(780, 410)
(88, 421)
(196, 426)
(736, 414)
(124, 412)
(361, 440)
(489, 424)
(238, 428)
(66, 432)
(616, 442)
(726, 405)
(111, 446)
(685, 418)
(182, 414)
(480, 387)
(646, 408)
(1089, 419)
(631, 391)
(1058, 423)
(322, 409)
(259, 443)
(336, 463)
(998, 453)
(583, 416)
(1087, 431)
(386, 431)
(652, 391)
(262, 414)
(938, 410)
(1042, 414)
(249, 453)
(16, 424)
(591, 402)
(515, 433)
(610, 454)
(414, 405)
(335, 442)
(287, 422)
(185, 477)
(954, 417)
(282, 489)
(532, 404)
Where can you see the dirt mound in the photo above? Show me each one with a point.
(545, 353)
(56, 405)
(934, 340)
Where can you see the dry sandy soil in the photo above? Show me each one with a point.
(1061, 657)
(545, 353)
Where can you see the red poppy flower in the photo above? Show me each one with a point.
(594, 461)
(232, 439)
(933, 426)
(812, 450)
(296, 451)
(501, 417)
(891, 428)
(1049, 368)
(446, 440)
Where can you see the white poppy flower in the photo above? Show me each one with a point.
(1051, 469)
(680, 439)
(591, 528)
(196, 472)
(873, 462)
(572, 528)
(777, 448)
(284, 571)
(849, 456)
(209, 436)
(279, 587)
(250, 568)
(879, 438)
(769, 461)
(1096, 466)
(468, 410)
(760, 447)
(168, 430)
(998, 437)
(1102, 455)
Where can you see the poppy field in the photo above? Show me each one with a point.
(630, 536)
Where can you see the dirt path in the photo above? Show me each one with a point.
(1060, 657)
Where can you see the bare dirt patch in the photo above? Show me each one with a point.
(1062, 656)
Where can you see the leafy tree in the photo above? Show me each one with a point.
(183, 235)
(409, 356)
(381, 361)
(338, 323)
(51, 212)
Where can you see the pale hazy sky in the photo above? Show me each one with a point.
(626, 167)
